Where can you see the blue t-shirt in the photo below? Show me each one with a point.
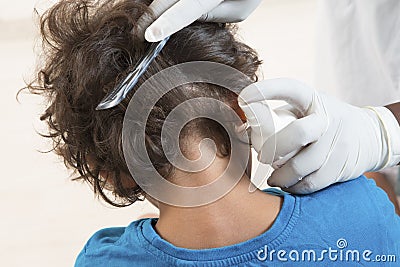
(347, 224)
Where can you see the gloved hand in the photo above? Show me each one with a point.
(173, 15)
(266, 125)
(337, 141)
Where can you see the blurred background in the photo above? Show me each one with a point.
(47, 218)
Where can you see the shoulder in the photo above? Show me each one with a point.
(359, 196)
(105, 237)
(106, 244)
(342, 206)
(357, 213)
(354, 192)
(357, 210)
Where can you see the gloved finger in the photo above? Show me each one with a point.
(157, 7)
(308, 185)
(293, 92)
(324, 175)
(293, 137)
(260, 120)
(231, 11)
(307, 161)
(313, 182)
(180, 15)
(288, 109)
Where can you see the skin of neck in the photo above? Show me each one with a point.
(238, 216)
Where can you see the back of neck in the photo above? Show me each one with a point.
(238, 216)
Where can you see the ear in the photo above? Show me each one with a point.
(235, 106)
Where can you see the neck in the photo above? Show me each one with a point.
(238, 216)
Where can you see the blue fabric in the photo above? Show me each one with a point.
(346, 220)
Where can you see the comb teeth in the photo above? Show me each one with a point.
(120, 92)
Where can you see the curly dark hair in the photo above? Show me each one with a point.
(89, 46)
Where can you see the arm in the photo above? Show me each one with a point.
(395, 109)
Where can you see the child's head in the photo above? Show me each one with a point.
(89, 47)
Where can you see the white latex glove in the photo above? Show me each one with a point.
(266, 125)
(337, 141)
(174, 15)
